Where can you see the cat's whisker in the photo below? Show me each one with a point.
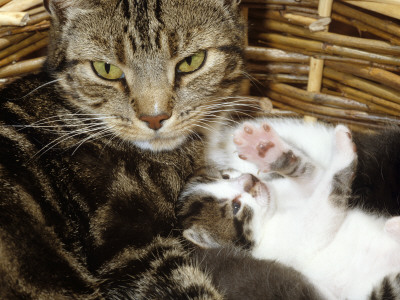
(38, 88)
(235, 104)
(232, 106)
(61, 120)
(203, 125)
(93, 137)
(238, 97)
(252, 79)
(67, 136)
(113, 137)
(211, 128)
(194, 133)
(65, 120)
(216, 111)
(215, 114)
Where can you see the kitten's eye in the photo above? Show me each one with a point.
(225, 176)
(192, 63)
(235, 206)
(107, 71)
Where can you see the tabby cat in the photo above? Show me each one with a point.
(298, 214)
(88, 184)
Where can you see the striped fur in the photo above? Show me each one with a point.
(389, 289)
(87, 190)
(147, 39)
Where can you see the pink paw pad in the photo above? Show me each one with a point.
(260, 145)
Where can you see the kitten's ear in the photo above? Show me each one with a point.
(200, 237)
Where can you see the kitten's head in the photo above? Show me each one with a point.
(155, 69)
(224, 210)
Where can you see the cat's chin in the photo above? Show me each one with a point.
(161, 144)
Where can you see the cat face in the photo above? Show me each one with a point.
(155, 70)
(217, 211)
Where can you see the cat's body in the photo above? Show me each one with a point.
(74, 216)
(301, 216)
(239, 276)
(87, 182)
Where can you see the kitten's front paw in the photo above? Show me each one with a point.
(260, 145)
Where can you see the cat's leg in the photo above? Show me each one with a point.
(263, 146)
(328, 205)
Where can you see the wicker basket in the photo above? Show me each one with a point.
(337, 61)
(23, 37)
(348, 73)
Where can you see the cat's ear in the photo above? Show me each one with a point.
(53, 6)
(200, 237)
(232, 2)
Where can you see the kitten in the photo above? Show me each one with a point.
(376, 186)
(95, 149)
(298, 214)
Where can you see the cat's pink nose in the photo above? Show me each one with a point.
(154, 122)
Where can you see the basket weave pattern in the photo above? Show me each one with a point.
(343, 66)
(334, 60)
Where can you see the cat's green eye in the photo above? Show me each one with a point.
(107, 71)
(192, 63)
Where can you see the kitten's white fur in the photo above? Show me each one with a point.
(344, 252)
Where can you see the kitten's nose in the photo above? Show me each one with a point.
(154, 122)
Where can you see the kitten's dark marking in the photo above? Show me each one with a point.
(376, 186)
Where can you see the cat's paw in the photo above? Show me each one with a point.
(345, 152)
(392, 227)
(260, 145)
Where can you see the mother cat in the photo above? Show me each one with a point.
(95, 149)
(88, 184)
